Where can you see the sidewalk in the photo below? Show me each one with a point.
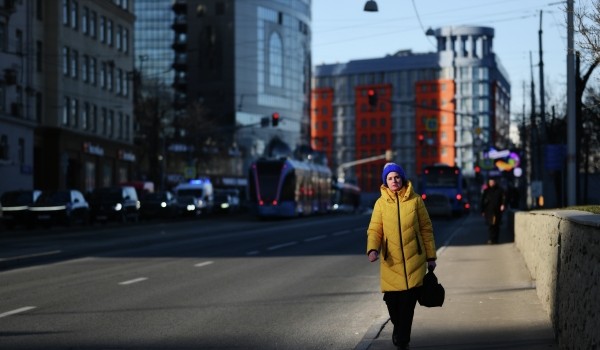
(491, 302)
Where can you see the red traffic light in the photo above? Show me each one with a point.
(372, 95)
(477, 169)
(275, 119)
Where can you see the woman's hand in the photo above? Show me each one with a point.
(373, 255)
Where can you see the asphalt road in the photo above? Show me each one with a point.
(231, 282)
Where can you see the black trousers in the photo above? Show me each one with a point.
(494, 232)
(401, 307)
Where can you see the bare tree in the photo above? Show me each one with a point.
(587, 25)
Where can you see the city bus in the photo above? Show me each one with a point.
(446, 180)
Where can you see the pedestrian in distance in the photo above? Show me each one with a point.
(492, 207)
(401, 233)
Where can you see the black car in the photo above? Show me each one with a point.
(60, 207)
(15, 207)
(160, 204)
(119, 203)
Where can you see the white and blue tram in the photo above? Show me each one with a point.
(286, 187)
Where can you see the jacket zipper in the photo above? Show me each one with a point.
(401, 241)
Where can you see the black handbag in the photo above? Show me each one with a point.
(432, 293)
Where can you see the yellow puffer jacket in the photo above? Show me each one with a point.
(403, 261)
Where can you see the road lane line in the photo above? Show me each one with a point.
(315, 238)
(53, 252)
(279, 246)
(135, 280)
(17, 311)
(206, 263)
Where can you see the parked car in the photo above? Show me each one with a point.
(186, 206)
(226, 200)
(438, 205)
(60, 207)
(160, 204)
(15, 205)
(118, 203)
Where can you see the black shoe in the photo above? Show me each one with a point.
(404, 347)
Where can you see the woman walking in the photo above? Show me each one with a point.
(401, 232)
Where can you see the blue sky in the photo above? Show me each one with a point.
(342, 31)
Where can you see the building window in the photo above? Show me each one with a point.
(102, 75)
(119, 37)
(65, 114)
(126, 126)
(75, 111)
(92, 29)
(38, 106)
(94, 118)
(84, 20)
(39, 10)
(125, 40)
(38, 56)
(102, 33)
(74, 14)
(110, 123)
(275, 60)
(19, 42)
(109, 32)
(103, 119)
(85, 116)
(109, 76)
(74, 64)
(92, 75)
(85, 68)
(119, 125)
(65, 13)
(119, 82)
(66, 61)
(21, 150)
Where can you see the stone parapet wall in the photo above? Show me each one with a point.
(562, 252)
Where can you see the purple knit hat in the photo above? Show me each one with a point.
(388, 168)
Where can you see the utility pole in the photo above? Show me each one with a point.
(533, 140)
(571, 123)
(542, 92)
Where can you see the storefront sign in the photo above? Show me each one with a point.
(125, 155)
(90, 148)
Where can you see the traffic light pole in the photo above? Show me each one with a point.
(388, 155)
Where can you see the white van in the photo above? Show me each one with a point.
(201, 190)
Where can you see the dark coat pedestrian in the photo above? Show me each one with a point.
(492, 207)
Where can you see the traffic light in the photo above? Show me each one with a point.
(421, 138)
(275, 119)
(372, 94)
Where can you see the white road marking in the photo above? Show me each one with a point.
(53, 252)
(315, 238)
(23, 309)
(279, 246)
(206, 263)
(135, 280)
